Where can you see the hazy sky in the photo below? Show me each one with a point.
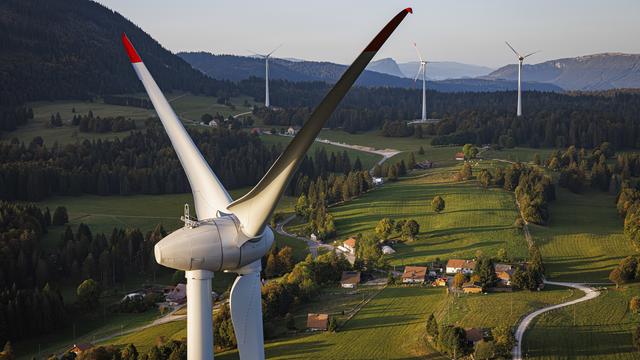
(470, 31)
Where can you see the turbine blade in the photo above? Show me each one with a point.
(274, 50)
(418, 51)
(512, 49)
(255, 208)
(418, 73)
(533, 53)
(246, 313)
(255, 53)
(209, 195)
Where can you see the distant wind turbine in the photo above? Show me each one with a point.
(266, 73)
(520, 60)
(423, 69)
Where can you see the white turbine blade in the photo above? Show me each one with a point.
(419, 70)
(418, 51)
(274, 50)
(255, 208)
(512, 49)
(533, 53)
(209, 195)
(246, 313)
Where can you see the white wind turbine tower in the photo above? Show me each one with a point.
(423, 69)
(520, 60)
(233, 235)
(266, 73)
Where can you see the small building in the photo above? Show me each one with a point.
(178, 295)
(377, 181)
(387, 250)
(317, 322)
(460, 156)
(291, 131)
(474, 335)
(313, 237)
(80, 348)
(213, 123)
(471, 288)
(133, 296)
(348, 246)
(414, 275)
(455, 266)
(427, 164)
(441, 281)
(350, 279)
(504, 272)
(256, 131)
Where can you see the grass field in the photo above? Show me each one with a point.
(368, 159)
(188, 107)
(584, 240)
(391, 326)
(499, 309)
(598, 329)
(474, 219)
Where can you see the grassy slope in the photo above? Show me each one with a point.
(188, 107)
(474, 219)
(584, 239)
(389, 327)
(602, 329)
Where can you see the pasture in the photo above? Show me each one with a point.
(584, 240)
(599, 329)
(475, 219)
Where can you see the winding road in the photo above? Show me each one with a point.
(589, 293)
(313, 245)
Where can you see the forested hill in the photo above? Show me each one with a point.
(63, 49)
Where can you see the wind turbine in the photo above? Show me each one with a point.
(233, 235)
(520, 60)
(423, 69)
(266, 73)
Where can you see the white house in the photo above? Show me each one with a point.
(313, 237)
(348, 246)
(388, 250)
(455, 266)
(213, 123)
(133, 296)
(378, 181)
(291, 131)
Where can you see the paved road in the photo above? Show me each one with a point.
(590, 293)
(311, 244)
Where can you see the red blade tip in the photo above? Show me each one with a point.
(409, 10)
(131, 51)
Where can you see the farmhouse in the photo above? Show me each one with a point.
(291, 131)
(504, 272)
(377, 181)
(348, 246)
(473, 335)
(455, 266)
(80, 348)
(460, 156)
(471, 288)
(350, 279)
(317, 322)
(414, 275)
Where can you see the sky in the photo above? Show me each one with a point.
(468, 31)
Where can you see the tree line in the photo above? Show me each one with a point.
(532, 187)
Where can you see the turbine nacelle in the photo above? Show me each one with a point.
(214, 245)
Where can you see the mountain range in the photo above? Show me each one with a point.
(591, 72)
(235, 68)
(436, 70)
